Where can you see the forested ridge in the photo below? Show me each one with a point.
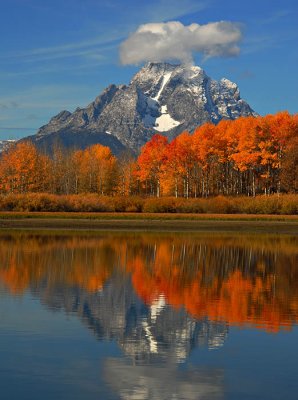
(248, 157)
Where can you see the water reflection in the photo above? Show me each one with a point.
(225, 279)
(158, 297)
(154, 383)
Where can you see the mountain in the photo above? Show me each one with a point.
(161, 98)
(5, 144)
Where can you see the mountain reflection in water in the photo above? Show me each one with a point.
(233, 280)
(158, 296)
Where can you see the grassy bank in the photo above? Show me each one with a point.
(150, 222)
(272, 214)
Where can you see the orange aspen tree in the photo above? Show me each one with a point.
(150, 163)
(20, 169)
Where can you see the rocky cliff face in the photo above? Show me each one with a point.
(161, 98)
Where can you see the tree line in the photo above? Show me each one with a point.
(248, 156)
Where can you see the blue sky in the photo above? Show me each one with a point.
(60, 54)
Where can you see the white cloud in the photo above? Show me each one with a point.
(158, 42)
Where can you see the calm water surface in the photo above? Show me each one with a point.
(148, 316)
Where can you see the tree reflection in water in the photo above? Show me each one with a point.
(235, 279)
(158, 296)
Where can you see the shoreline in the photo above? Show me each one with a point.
(235, 223)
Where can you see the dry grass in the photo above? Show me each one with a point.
(43, 202)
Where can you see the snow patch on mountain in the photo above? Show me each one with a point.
(166, 78)
(165, 122)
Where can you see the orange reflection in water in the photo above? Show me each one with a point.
(237, 279)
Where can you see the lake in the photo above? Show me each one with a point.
(148, 316)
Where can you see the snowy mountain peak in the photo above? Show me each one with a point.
(161, 97)
(226, 82)
(153, 73)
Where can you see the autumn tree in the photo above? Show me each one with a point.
(204, 145)
(23, 169)
(289, 174)
(96, 170)
(179, 164)
(275, 133)
(150, 163)
(126, 170)
(59, 170)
